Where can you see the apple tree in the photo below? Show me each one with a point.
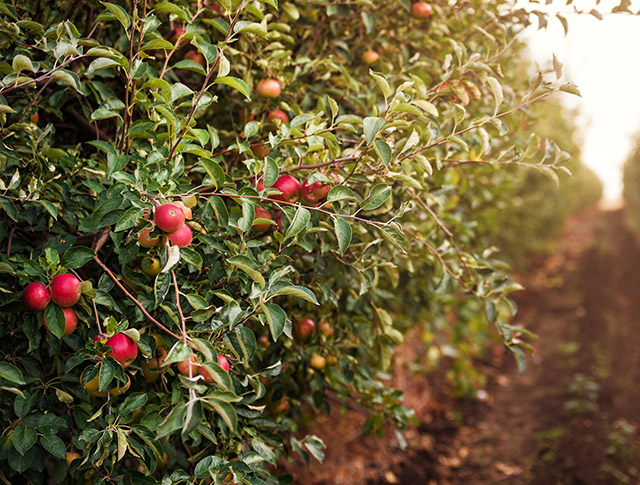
(232, 216)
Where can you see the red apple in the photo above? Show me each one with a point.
(223, 362)
(168, 217)
(260, 150)
(264, 341)
(70, 321)
(194, 55)
(65, 290)
(288, 185)
(369, 57)
(304, 328)
(421, 10)
(183, 366)
(262, 214)
(124, 349)
(35, 117)
(278, 219)
(278, 114)
(182, 237)
(269, 88)
(314, 192)
(145, 240)
(36, 296)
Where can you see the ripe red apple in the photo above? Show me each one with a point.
(124, 350)
(288, 185)
(283, 406)
(264, 341)
(182, 237)
(145, 240)
(269, 88)
(315, 192)
(194, 55)
(325, 328)
(370, 56)
(421, 10)
(36, 296)
(278, 114)
(183, 366)
(35, 117)
(70, 321)
(262, 214)
(304, 328)
(168, 217)
(65, 290)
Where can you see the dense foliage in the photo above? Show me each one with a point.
(110, 111)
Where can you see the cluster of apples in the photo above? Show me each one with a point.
(291, 191)
(170, 218)
(196, 367)
(304, 328)
(65, 290)
(419, 10)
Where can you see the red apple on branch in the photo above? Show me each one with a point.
(123, 349)
(304, 328)
(421, 10)
(278, 114)
(262, 214)
(370, 56)
(288, 185)
(65, 290)
(314, 192)
(145, 240)
(169, 217)
(36, 296)
(269, 88)
(182, 237)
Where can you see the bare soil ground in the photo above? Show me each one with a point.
(573, 417)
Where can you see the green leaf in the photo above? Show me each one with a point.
(243, 341)
(299, 222)
(227, 412)
(219, 375)
(192, 418)
(263, 450)
(427, 107)
(11, 373)
(383, 150)
(341, 192)
(178, 353)
(496, 89)
(300, 120)
(396, 237)
(235, 83)
(54, 317)
(173, 421)
(214, 170)
(245, 264)
(77, 257)
(271, 172)
(372, 127)
(24, 437)
(343, 233)
(377, 196)
(157, 44)
(50, 208)
(245, 26)
(173, 258)
(53, 445)
(191, 256)
(119, 13)
(276, 318)
(22, 63)
(209, 51)
(106, 374)
(382, 83)
(298, 291)
(173, 9)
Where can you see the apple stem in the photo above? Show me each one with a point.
(183, 322)
(133, 298)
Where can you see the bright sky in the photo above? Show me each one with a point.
(601, 57)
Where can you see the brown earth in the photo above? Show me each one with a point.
(573, 416)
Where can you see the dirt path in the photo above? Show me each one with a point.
(573, 417)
